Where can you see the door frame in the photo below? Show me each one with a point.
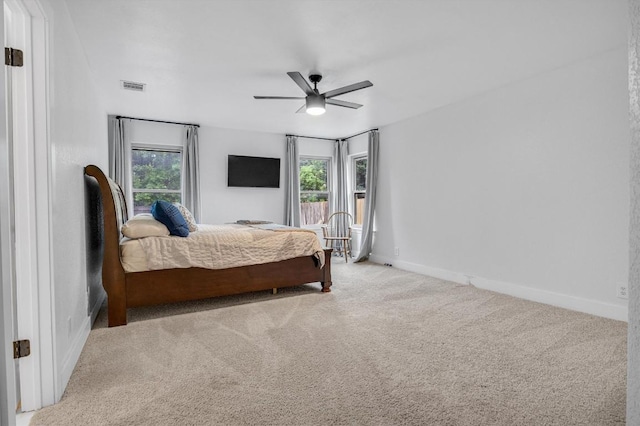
(42, 315)
(7, 372)
(32, 189)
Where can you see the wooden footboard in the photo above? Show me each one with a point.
(177, 285)
(126, 290)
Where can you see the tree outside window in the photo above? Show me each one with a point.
(314, 190)
(359, 187)
(156, 175)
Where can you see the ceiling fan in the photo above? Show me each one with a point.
(315, 101)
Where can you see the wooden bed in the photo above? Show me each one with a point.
(134, 289)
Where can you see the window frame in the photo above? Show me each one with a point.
(355, 192)
(178, 149)
(329, 191)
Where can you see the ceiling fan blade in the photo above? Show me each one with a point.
(303, 108)
(300, 81)
(345, 104)
(347, 89)
(277, 97)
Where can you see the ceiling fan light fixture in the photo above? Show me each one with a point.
(315, 102)
(315, 105)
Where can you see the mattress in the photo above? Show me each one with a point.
(132, 256)
(220, 247)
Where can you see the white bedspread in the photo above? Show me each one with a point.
(221, 247)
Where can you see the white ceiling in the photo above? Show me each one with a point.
(203, 60)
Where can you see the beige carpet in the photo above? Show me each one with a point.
(385, 347)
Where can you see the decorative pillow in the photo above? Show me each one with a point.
(188, 217)
(144, 225)
(119, 201)
(169, 214)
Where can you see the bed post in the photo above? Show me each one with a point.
(113, 278)
(326, 274)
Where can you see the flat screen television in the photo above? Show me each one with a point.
(254, 172)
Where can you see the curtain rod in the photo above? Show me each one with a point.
(313, 137)
(358, 134)
(157, 121)
(329, 139)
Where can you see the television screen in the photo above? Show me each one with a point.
(256, 172)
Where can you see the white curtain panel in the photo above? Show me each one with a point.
(120, 158)
(366, 243)
(292, 183)
(191, 172)
(341, 189)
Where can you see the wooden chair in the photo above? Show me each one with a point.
(338, 230)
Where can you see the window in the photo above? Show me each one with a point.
(156, 175)
(359, 167)
(314, 190)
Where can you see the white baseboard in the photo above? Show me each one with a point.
(443, 274)
(574, 303)
(73, 354)
(77, 344)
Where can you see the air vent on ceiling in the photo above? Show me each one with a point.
(131, 85)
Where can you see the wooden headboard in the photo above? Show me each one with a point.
(94, 240)
(114, 214)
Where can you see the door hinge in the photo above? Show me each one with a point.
(13, 57)
(21, 348)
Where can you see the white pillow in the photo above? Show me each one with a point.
(144, 225)
(188, 217)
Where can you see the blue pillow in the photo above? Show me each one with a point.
(171, 217)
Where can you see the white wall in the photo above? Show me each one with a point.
(633, 340)
(315, 147)
(156, 133)
(223, 204)
(524, 188)
(78, 137)
(220, 203)
(359, 144)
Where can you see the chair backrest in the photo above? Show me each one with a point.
(338, 225)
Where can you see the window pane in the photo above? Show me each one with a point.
(361, 174)
(313, 174)
(142, 200)
(156, 169)
(359, 198)
(314, 208)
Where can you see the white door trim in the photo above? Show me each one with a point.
(7, 371)
(31, 192)
(40, 31)
(17, 36)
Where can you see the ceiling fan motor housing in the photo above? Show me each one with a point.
(315, 78)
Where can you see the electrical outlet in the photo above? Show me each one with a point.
(623, 291)
(396, 251)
